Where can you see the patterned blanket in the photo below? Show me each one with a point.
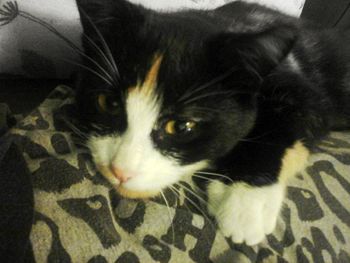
(80, 218)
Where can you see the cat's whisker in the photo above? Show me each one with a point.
(215, 174)
(188, 198)
(207, 85)
(83, 148)
(80, 143)
(204, 178)
(185, 196)
(209, 94)
(78, 132)
(75, 129)
(97, 126)
(170, 216)
(202, 191)
(103, 42)
(177, 194)
(212, 225)
(102, 55)
(193, 193)
(88, 69)
(72, 45)
(65, 39)
(196, 206)
(172, 189)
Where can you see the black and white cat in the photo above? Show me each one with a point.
(236, 95)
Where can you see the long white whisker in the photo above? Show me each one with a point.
(177, 193)
(209, 94)
(215, 174)
(87, 68)
(207, 85)
(170, 216)
(97, 127)
(101, 53)
(75, 129)
(105, 46)
(198, 208)
(194, 194)
(58, 34)
(203, 177)
(172, 188)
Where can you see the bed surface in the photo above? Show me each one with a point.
(78, 217)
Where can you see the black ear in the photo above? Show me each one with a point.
(115, 20)
(119, 13)
(252, 54)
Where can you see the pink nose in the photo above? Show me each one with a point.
(121, 175)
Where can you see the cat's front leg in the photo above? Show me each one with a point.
(246, 213)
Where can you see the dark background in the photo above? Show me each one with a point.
(23, 95)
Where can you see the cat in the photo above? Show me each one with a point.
(234, 97)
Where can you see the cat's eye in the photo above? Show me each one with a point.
(108, 103)
(174, 127)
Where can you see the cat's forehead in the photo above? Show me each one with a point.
(162, 85)
(168, 74)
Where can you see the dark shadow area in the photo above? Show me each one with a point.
(23, 95)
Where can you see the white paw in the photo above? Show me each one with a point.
(245, 213)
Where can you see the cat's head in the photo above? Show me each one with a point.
(173, 92)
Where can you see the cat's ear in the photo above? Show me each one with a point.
(111, 17)
(253, 54)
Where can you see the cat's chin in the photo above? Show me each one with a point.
(131, 194)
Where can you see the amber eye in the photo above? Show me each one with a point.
(108, 103)
(174, 127)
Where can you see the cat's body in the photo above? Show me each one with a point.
(236, 95)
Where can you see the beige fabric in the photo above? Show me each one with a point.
(79, 218)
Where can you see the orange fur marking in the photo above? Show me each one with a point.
(294, 161)
(150, 81)
(152, 75)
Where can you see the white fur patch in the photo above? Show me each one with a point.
(245, 213)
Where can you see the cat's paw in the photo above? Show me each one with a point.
(245, 213)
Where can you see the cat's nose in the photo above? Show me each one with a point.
(121, 175)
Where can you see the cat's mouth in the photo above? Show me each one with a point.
(122, 189)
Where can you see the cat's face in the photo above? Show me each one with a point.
(178, 100)
(151, 133)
